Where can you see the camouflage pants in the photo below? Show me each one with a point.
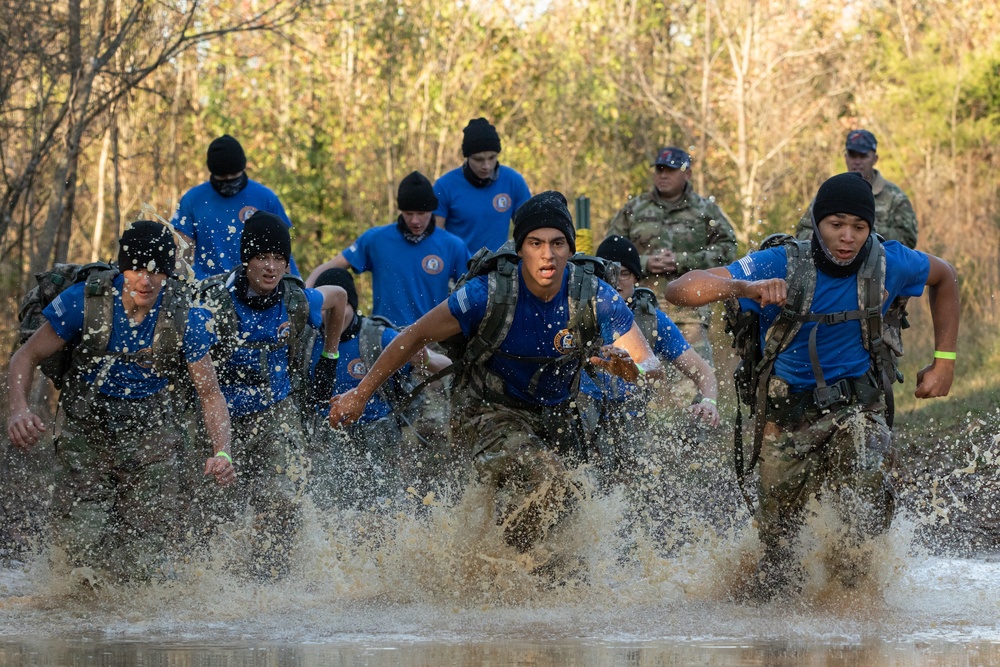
(845, 455)
(269, 453)
(357, 467)
(521, 453)
(426, 452)
(115, 487)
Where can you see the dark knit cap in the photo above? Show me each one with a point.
(340, 278)
(845, 193)
(620, 249)
(264, 232)
(147, 245)
(546, 209)
(479, 137)
(416, 193)
(226, 156)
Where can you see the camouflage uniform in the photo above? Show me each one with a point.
(894, 216)
(358, 468)
(846, 452)
(698, 233)
(519, 451)
(115, 487)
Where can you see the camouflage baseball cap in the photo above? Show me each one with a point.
(861, 141)
(672, 157)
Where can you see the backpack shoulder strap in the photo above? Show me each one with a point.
(171, 324)
(644, 307)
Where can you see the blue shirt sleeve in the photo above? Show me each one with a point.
(183, 220)
(468, 304)
(197, 338)
(315, 298)
(613, 314)
(65, 313)
(906, 271)
(521, 192)
(670, 342)
(357, 253)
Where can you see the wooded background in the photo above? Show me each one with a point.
(107, 108)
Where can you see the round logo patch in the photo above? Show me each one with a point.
(357, 369)
(245, 213)
(284, 330)
(502, 202)
(565, 342)
(432, 264)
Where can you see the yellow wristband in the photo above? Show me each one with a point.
(938, 354)
(226, 456)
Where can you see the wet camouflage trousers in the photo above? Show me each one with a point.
(358, 467)
(845, 456)
(269, 453)
(522, 453)
(115, 486)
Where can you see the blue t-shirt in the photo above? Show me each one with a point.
(351, 369)
(839, 346)
(408, 279)
(127, 379)
(480, 216)
(216, 224)
(670, 344)
(259, 388)
(539, 329)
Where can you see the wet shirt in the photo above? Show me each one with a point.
(539, 329)
(133, 379)
(408, 279)
(480, 216)
(351, 369)
(258, 386)
(670, 344)
(216, 224)
(839, 346)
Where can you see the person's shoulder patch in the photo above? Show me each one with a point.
(462, 297)
(747, 265)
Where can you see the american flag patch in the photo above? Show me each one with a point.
(58, 307)
(463, 300)
(747, 265)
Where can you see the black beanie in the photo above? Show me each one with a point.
(416, 193)
(845, 193)
(620, 249)
(264, 232)
(340, 278)
(226, 156)
(546, 209)
(479, 137)
(147, 245)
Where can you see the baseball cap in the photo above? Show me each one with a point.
(672, 157)
(861, 141)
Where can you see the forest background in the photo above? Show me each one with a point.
(107, 108)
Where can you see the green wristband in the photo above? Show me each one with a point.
(327, 355)
(226, 456)
(642, 371)
(938, 354)
(710, 400)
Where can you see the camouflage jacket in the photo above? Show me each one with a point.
(894, 216)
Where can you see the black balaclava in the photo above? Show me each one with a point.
(546, 209)
(343, 278)
(147, 246)
(620, 249)
(844, 193)
(225, 157)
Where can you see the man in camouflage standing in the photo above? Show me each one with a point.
(676, 231)
(894, 216)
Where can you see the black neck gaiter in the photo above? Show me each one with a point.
(410, 236)
(471, 177)
(825, 263)
(230, 187)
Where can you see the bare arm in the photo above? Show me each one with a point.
(630, 357)
(216, 415)
(439, 221)
(697, 369)
(334, 305)
(436, 325)
(702, 287)
(935, 380)
(24, 428)
(338, 262)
